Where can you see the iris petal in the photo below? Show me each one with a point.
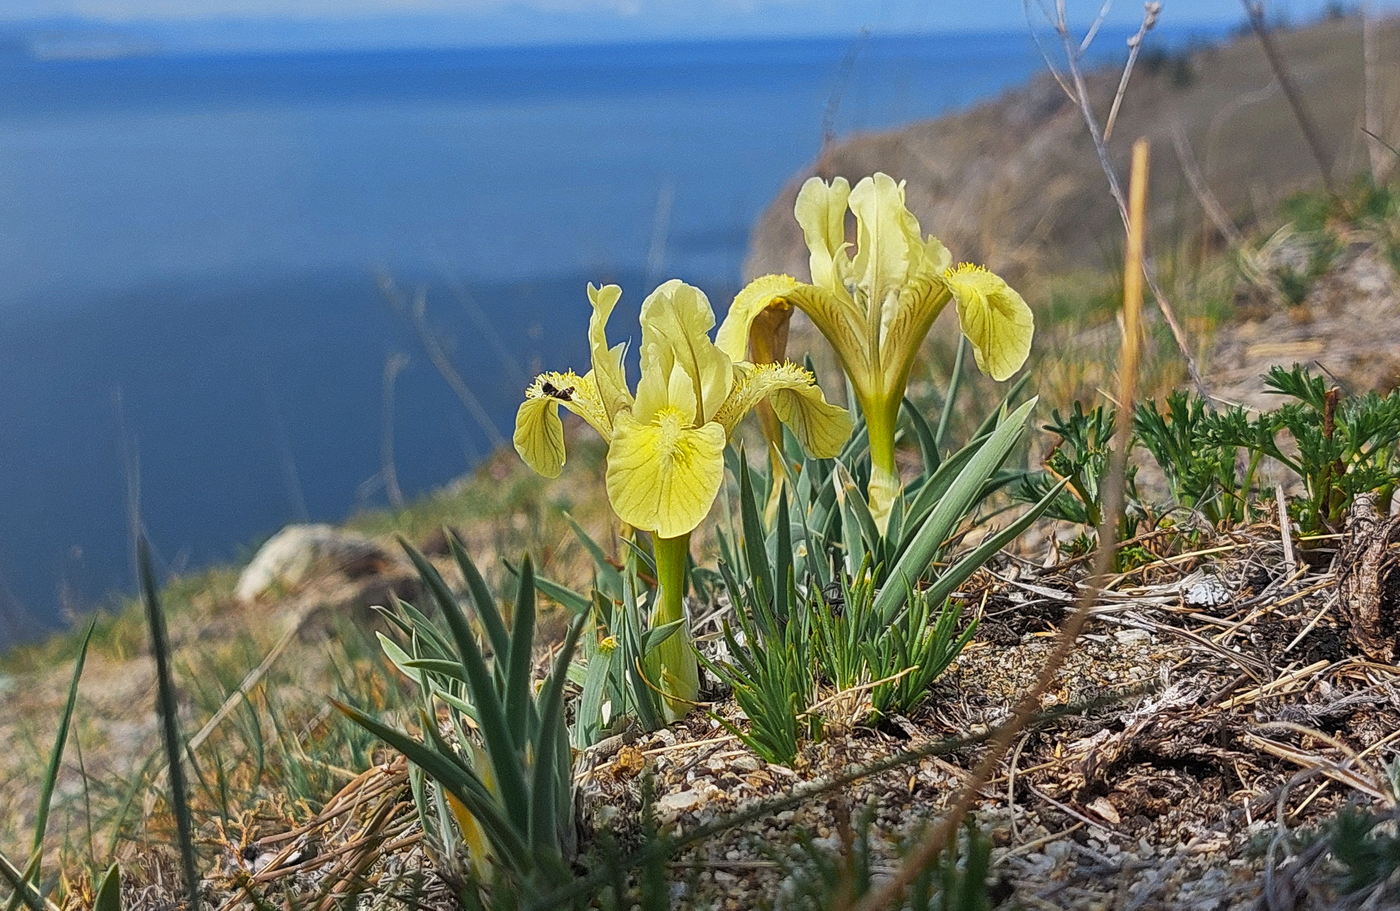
(758, 295)
(676, 323)
(821, 211)
(664, 475)
(821, 427)
(539, 436)
(607, 362)
(994, 318)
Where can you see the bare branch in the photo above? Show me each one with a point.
(1077, 91)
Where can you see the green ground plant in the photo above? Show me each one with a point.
(889, 631)
(501, 761)
(1335, 446)
(836, 579)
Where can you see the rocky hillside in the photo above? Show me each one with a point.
(1015, 182)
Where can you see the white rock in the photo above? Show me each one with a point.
(298, 553)
(673, 805)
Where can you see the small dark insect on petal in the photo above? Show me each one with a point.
(554, 392)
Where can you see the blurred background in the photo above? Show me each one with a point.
(242, 242)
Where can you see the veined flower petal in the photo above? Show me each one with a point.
(676, 324)
(821, 427)
(607, 362)
(539, 434)
(937, 259)
(888, 244)
(838, 321)
(821, 211)
(918, 305)
(764, 292)
(663, 476)
(995, 319)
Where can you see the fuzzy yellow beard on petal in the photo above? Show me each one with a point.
(995, 319)
(662, 475)
(821, 427)
(539, 434)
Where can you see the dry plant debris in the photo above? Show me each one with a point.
(1252, 712)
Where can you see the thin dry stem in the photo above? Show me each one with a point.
(1077, 90)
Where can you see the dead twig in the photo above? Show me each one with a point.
(1254, 10)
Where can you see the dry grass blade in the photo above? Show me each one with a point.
(933, 845)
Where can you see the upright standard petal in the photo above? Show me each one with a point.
(662, 475)
(995, 319)
(821, 427)
(676, 324)
(888, 244)
(763, 293)
(607, 362)
(821, 211)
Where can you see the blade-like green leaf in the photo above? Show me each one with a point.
(65, 721)
(544, 825)
(960, 571)
(108, 896)
(24, 892)
(949, 511)
(588, 727)
(928, 443)
(168, 705)
(518, 691)
(782, 563)
(482, 598)
(495, 730)
(448, 772)
(554, 591)
(756, 556)
(442, 666)
(950, 400)
(609, 579)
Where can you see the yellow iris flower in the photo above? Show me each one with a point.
(665, 461)
(875, 302)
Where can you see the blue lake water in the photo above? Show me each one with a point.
(190, 250)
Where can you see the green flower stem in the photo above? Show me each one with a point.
(678, 674)
(882, 418)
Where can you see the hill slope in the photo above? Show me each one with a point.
(1015, 182)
